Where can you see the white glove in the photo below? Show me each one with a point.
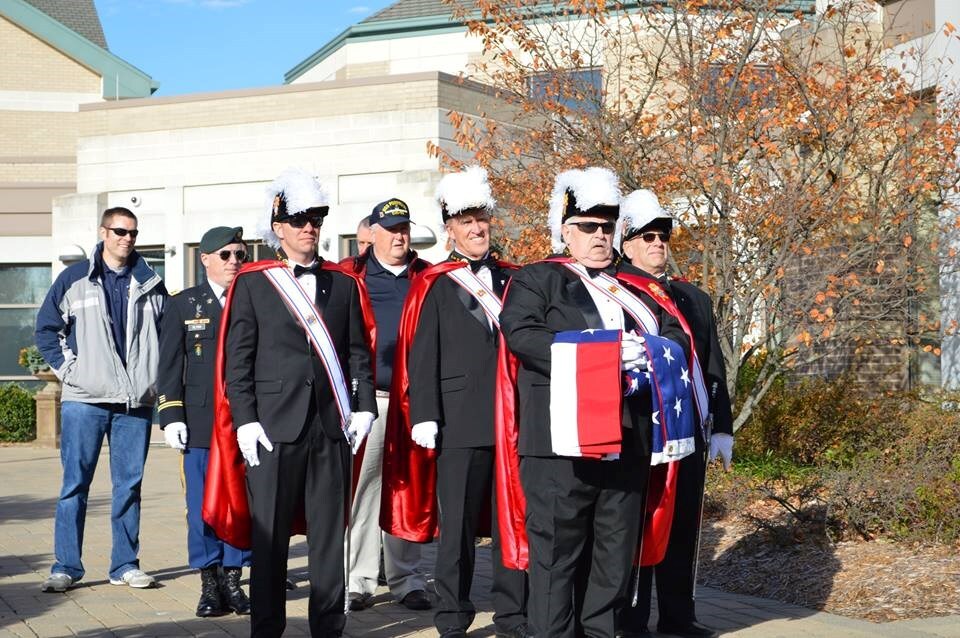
(175, 435)
(425, 434)
(633, 355)
(248, 436)
(358, 428)
(721, 444)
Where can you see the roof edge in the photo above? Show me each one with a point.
(119, 78)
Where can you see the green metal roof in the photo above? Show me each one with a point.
(120, 78)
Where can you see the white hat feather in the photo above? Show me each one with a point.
(465, 189)
(594, 186)
(299, 191)
(639, 208)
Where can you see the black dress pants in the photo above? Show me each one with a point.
(583, 522)
(464, 482)
(674, 574)
(311, 473)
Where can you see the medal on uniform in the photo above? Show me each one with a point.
(198, 349)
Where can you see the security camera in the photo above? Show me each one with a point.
(134, 200)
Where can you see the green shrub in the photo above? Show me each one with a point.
(18, 420)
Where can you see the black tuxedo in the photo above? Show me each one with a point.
(452, 368)
(274, 377)
(674, 574)
(188, 351)
(583, 516)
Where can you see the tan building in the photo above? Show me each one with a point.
(53, 58)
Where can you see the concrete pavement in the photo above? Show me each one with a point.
(30, 481)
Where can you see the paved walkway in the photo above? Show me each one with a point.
(30, 480)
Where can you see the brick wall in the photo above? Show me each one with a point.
(29, 64)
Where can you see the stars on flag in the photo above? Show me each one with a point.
(655, 417)
(667, 354)
(677, 407)
(685, 376)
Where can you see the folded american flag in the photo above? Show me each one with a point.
(587, 389)
(585, 393)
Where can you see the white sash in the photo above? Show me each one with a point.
(305, 312)
(488, 300)
(613, 289)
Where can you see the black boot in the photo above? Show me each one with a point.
(233, 596)
(209, 604)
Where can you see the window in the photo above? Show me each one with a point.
(348, 246)
(576, 89)
(22, 289)
(154, 257)
(196, 275)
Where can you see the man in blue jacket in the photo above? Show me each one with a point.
(98, 329)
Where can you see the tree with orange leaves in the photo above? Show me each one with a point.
(804, 159)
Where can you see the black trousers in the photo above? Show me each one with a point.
(583, 522)
(311, 473)
(674, 574)
(464, 483)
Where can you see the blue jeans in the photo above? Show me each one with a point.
(128, 434)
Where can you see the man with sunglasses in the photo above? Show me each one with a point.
(298, 376)
(646, 241)
(98, 328)
(583, 514)
(188, 349)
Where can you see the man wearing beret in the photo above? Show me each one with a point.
(388, 267)
(188, 348)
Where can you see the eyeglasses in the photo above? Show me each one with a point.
(300, 221)
(650, 236)
(591, 227)
(123, 232)
(241, 255)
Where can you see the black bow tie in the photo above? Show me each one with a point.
(301, 270)
(609, 270)
(477, 264)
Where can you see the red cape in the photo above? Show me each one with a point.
(512, 504)
(408, 493)
(225, 507)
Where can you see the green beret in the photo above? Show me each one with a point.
(216, 238)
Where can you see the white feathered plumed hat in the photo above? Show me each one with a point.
(640, 209)
(294, 191)
(588, 191)
(463, 190)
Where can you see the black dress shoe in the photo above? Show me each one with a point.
(233, 595)
(210, 604)
(687, 630)
(417, 600)
(643, 632)
(453, 633)
(360, 601)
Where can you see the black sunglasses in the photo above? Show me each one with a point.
(591, 227)
(241, 255)
(648, 237)
(123, 232)
(300, 221)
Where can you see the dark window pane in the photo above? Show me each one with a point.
(22, 284)
(576, 89)
(154, 257)
(16, 331)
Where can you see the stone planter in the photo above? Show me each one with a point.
(48, 410)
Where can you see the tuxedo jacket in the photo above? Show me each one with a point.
(272, 372)
(546, 298)
(452, 365)
(188, 351)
